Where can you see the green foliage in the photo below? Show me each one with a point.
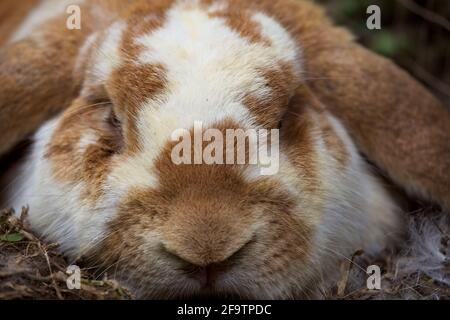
(388, 43)
(412, 37)
(12, 237)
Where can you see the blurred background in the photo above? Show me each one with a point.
(415, 33)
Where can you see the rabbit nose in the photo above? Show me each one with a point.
(206, 262)
(203, 242)
(206, 274)
(207, 230)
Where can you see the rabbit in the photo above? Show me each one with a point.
(101, 103)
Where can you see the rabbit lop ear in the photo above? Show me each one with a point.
(393, 119)
(36, 79)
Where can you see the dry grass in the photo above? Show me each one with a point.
(31, 269)
(419, 269)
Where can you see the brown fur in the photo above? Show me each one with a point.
(300, 108)
(12, 14)
(240, 22)
(269, 112)
(37, 80)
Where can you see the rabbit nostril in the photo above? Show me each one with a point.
(206, 276)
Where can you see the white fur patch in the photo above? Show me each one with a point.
(87, 139)
(358, 213)
(282, 46)
(83, 53)
(107, 55)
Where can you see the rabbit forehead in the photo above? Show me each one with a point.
(196, 62)
(200, 69)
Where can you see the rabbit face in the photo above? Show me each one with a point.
(102, 181)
